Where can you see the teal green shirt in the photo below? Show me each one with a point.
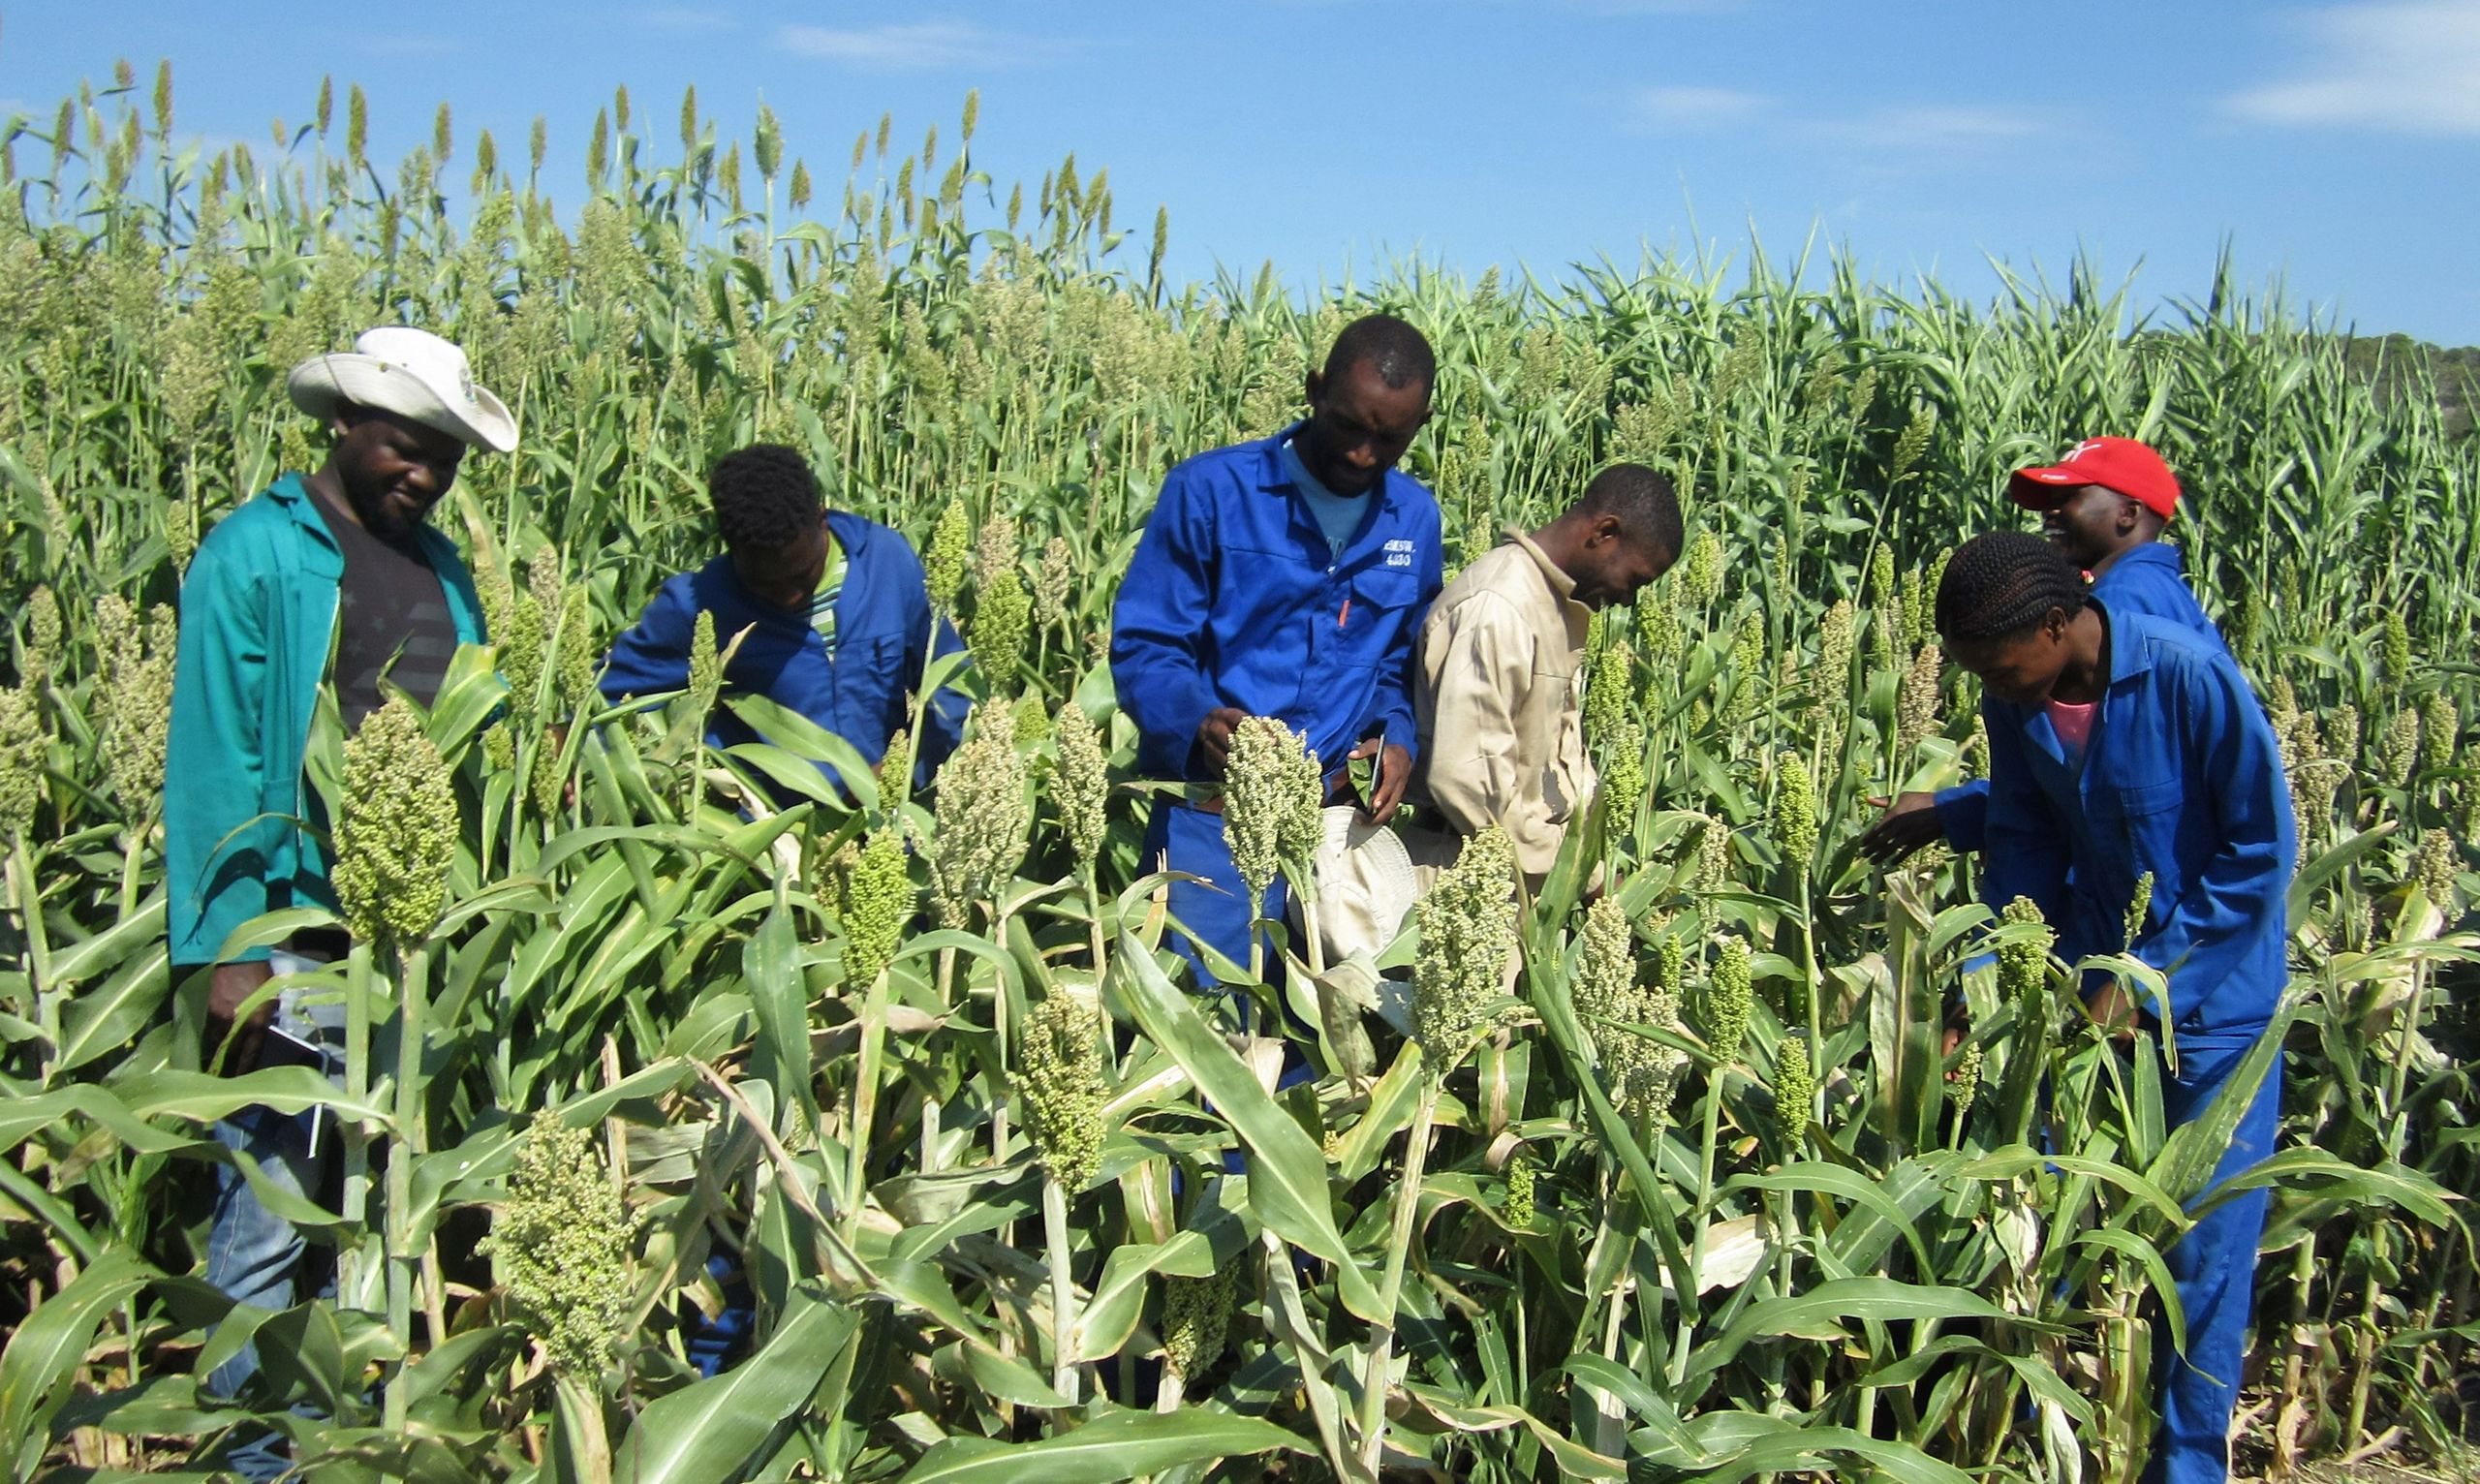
(258, 626)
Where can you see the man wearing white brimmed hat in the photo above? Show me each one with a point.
(329, 577)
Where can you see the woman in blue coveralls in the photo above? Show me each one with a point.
(2120, 745)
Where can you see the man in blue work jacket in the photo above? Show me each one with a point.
(1285, 578)
(333, 576)
(2105, 505)
(2121, 748)
(829, 612)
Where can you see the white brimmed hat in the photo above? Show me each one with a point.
(1366, 887)
(412, 373)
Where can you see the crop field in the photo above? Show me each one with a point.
(1698, 1202)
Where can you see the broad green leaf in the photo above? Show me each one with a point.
(711, 1431)
(1117, 1445)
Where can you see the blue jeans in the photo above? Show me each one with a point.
(2214, 1266)
(253, 1255)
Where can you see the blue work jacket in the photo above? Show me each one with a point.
(1234, 598)
(2146, 579)
(258, 625)
(883, 638)
(2181, 777)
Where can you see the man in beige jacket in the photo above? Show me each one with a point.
(1495, 694)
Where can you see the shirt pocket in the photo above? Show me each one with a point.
(870, 687)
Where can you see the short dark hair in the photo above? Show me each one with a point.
(2003, 583)
(1399, 353)
(764, 496)
(1646, 505)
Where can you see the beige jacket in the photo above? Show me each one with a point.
(1500, 704)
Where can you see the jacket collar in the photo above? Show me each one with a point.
(2152, 554)
(1561, 586)
(2130, 655)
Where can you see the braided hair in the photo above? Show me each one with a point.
(764, 496)
(2002, 583)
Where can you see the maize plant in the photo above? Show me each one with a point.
(895, 1102)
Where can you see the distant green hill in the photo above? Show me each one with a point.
(2397, 364)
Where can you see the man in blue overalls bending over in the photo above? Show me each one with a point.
(1285, 578)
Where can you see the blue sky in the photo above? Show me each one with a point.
(2335, 146)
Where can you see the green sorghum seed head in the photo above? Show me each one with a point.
(1965, 1087)
(580, 652)
(1609, 690)
(1747, 668)
(21, 760)
(943, 564)
(2397, 652)
(1795, 810)
(1832, 684)
(561, 1238)
(1197, 1313)
(2434, 867)
(2139, 908)
(1912, 443)
(2440, 732)
(1053, 581)
(2341, 735)
(1083, 789)
(875, 901)
(1272, 795)
(1518, 1211)
(1730, 997)
(1916, 704)
(2398, 755)
(1795, 1089)
(1713, 856)
(2023, 965)
(982, 823)
(1062, 1088)
(705, 666)
(1467, 927)
(135, 700)
(1605, 986)
(1701, 577)
(1658, 624)
(1029, 721)
(397, 834)
(1623, 772)
(1882, 591)
(42, 632)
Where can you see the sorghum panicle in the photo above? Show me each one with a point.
(1730, 997)
(1062, 1089)
(397, 834)
(1083, 791)
(1197, 1314)
(1795, 1090)
(2023, 965)
(1518, 1210)
(2139, 909)
(1795, 810)
(562, 1240)
(705, 666)
(1467, 926)
(21, 760)
(1916, 705)
(943, 564)
(873, 901)
(1272, 795)
(982, 823)
(1054, 578)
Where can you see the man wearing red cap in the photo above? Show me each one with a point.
(2105, 505)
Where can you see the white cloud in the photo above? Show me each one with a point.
(1935, 128)
(2401, 66)
(1695, 107)
(919, 47)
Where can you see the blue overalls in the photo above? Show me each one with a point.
(2181, 777)
(1234, 598)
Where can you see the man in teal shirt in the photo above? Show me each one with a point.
(333, 576)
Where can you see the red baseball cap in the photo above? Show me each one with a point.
(2120, 465)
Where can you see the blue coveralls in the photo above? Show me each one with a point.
(2181, 777)
(1234, 598)
(2143, 579)
(859, 693)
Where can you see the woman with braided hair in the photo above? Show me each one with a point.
(2121, 748)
